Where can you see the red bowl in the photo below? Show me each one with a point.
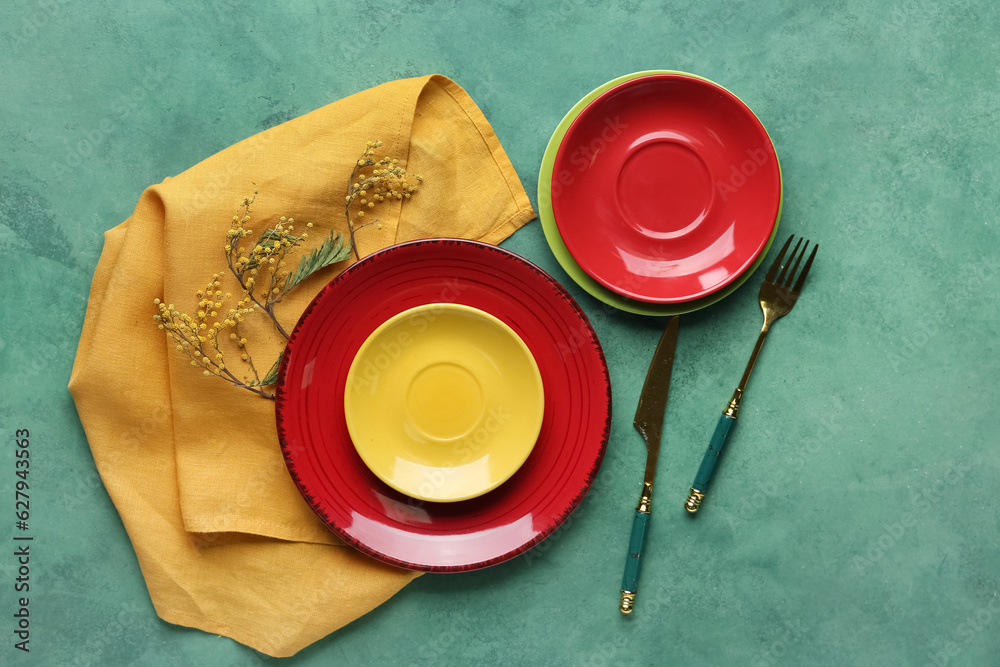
(666, 188)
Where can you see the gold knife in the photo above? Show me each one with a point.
(649, 422)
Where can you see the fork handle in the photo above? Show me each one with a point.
(708, 463)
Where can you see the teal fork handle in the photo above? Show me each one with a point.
(707, 469)
(630, 580)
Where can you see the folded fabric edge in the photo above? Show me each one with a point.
(257, 528)
(511, 225)
(274, 649)
(525, 213)
(205, 624)
(95, 298)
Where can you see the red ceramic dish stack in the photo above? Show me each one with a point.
(669, 188)
(443, 537)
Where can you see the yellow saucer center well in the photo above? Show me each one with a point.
(445, 401)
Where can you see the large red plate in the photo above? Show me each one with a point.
(669, 188)
(475, 533)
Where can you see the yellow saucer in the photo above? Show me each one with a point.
(444, 402)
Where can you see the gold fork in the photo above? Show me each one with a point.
(777, 296)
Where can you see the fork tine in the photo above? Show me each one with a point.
(773, 271)
(787, 284)
(805, 270)
(784, 269)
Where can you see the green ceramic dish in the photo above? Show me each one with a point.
(591, 286)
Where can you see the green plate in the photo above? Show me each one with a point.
(565, 259)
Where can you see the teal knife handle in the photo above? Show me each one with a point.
(707, 469)
(630, 581)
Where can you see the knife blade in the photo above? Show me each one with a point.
(649, 422)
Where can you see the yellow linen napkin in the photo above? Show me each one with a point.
(224, 540)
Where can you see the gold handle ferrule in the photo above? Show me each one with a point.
(693, 501)
(646, 499)
(733, 409)
(628, 602)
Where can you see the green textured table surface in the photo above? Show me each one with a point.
(855, 518)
